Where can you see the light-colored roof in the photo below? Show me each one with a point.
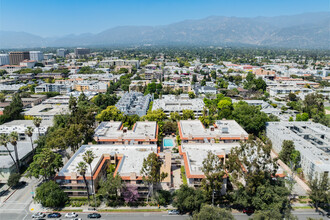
(114, 131)
(192, 129)
(132, 159)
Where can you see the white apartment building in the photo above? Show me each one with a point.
(172, 103)
(311, 139)
(36, 55)
(4, 59)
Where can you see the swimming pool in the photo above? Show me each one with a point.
(168, 142)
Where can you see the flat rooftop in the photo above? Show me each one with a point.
(20, 126)
(114, 130)
(47, 110)
(222, 129)
(171, 103)
(311, 139)
(196, 153)
(132, 158)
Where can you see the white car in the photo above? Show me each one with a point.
(71, 215)
(76, 219)
(173, 212)
(38, 215)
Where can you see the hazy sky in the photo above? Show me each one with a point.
(61, 17)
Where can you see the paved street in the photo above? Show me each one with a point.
(16, 207)
(302, 215)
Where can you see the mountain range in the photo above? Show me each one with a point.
(308, 30)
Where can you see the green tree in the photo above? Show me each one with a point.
(187, 199)
(151, 172)
(250, 117)
(46, 164)
(110, 188)
(287, 150)
(50, 194)
(155, 115)
(13, 179)
(175, 116)
(4, 140)
(110, 113)
(37, 122)
(191, 95)
(81, 169)
(13, 138)
(89, 157)
(208, 212)
(188, 114)
(29, 132)
(319, 190)
(13, 111)
(213, 169)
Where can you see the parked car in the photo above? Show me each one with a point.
(54, 215)
(38, 215)
(71, 215)
(173, 212)
(248, 210)
(76, 219)
(94, 215)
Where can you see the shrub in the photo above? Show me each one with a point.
(13, 179)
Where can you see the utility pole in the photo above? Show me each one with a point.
(213, 197)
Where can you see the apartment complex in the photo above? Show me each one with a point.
(4, 59)
(36, 55)
(24, 147)
(128, 161)
(61, 52)
(197, 141)
(16, 57)
(49, 87)
(134, 103)
(223, 131)
(172, 103)
(113, 132)
(311, 139)
(81, 51)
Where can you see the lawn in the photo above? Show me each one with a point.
(183, 174)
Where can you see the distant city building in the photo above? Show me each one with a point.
(49, 87)
(48, 56)
(61, 52)
(47, 111)
(36, 55)
(132, 103)
(172, 103)
(117, 62)
(12, 68)
(311, 139)
(28, 63)
(81, 51)
(4, 59)
(16, 57)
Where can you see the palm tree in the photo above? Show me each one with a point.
(4, 140)
(88, 158)
(37, 121)
(29, 132)
(13, 138)
(81, 168)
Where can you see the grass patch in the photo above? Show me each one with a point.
(68, 210)
(183, 174)
(327, 108)
(131, 210)
(303, 207)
